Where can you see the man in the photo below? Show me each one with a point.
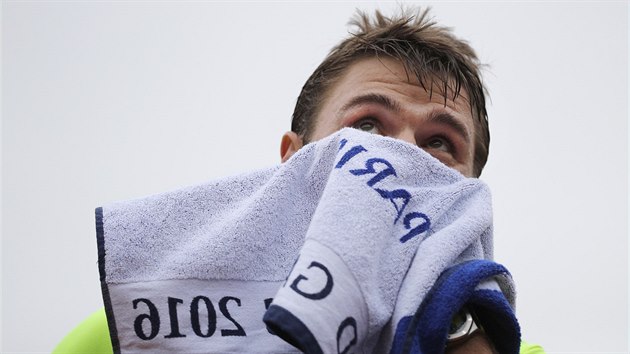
(402, 77)
(406, 78)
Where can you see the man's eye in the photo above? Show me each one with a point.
(438, 143)
(366, 125)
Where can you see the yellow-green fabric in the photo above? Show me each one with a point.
(92, 337)
(527, 348)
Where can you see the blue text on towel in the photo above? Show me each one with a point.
(398, 197)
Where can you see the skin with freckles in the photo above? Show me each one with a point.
(376, 95)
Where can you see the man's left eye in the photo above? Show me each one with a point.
(439, 144)
(366, 125)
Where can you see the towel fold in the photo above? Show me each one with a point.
(334, 247)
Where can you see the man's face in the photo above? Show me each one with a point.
(376, 95)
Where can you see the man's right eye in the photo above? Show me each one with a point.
(367, 125)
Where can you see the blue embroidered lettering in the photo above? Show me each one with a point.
(153, 317)
(195, 319)
(354, 151)
(399, 197)
(369, 168)
(348, 322)
(318, 295)
(172, 315)
(396, 194)
(424, 226)
(292, 267)
(342, 143)
(239, 331)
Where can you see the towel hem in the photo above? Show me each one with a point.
(109, 310)
(288, 327)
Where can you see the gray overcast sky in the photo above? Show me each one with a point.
(108, 100)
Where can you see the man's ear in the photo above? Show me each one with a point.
(291, 142)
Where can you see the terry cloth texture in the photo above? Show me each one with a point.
(347, 237)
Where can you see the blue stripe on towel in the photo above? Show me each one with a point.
(288, 327)
(109, 310)
(498, 319)
(425, 332)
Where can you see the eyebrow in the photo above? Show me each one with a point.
(445, 118)
(371, 98)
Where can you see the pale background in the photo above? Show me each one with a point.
(111, 100)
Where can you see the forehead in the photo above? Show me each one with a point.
(388, 74)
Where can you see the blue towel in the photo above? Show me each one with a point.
(334, 248)
(476, 284)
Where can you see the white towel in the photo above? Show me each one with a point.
(194, 270)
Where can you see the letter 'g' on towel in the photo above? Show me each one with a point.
(334, 248)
